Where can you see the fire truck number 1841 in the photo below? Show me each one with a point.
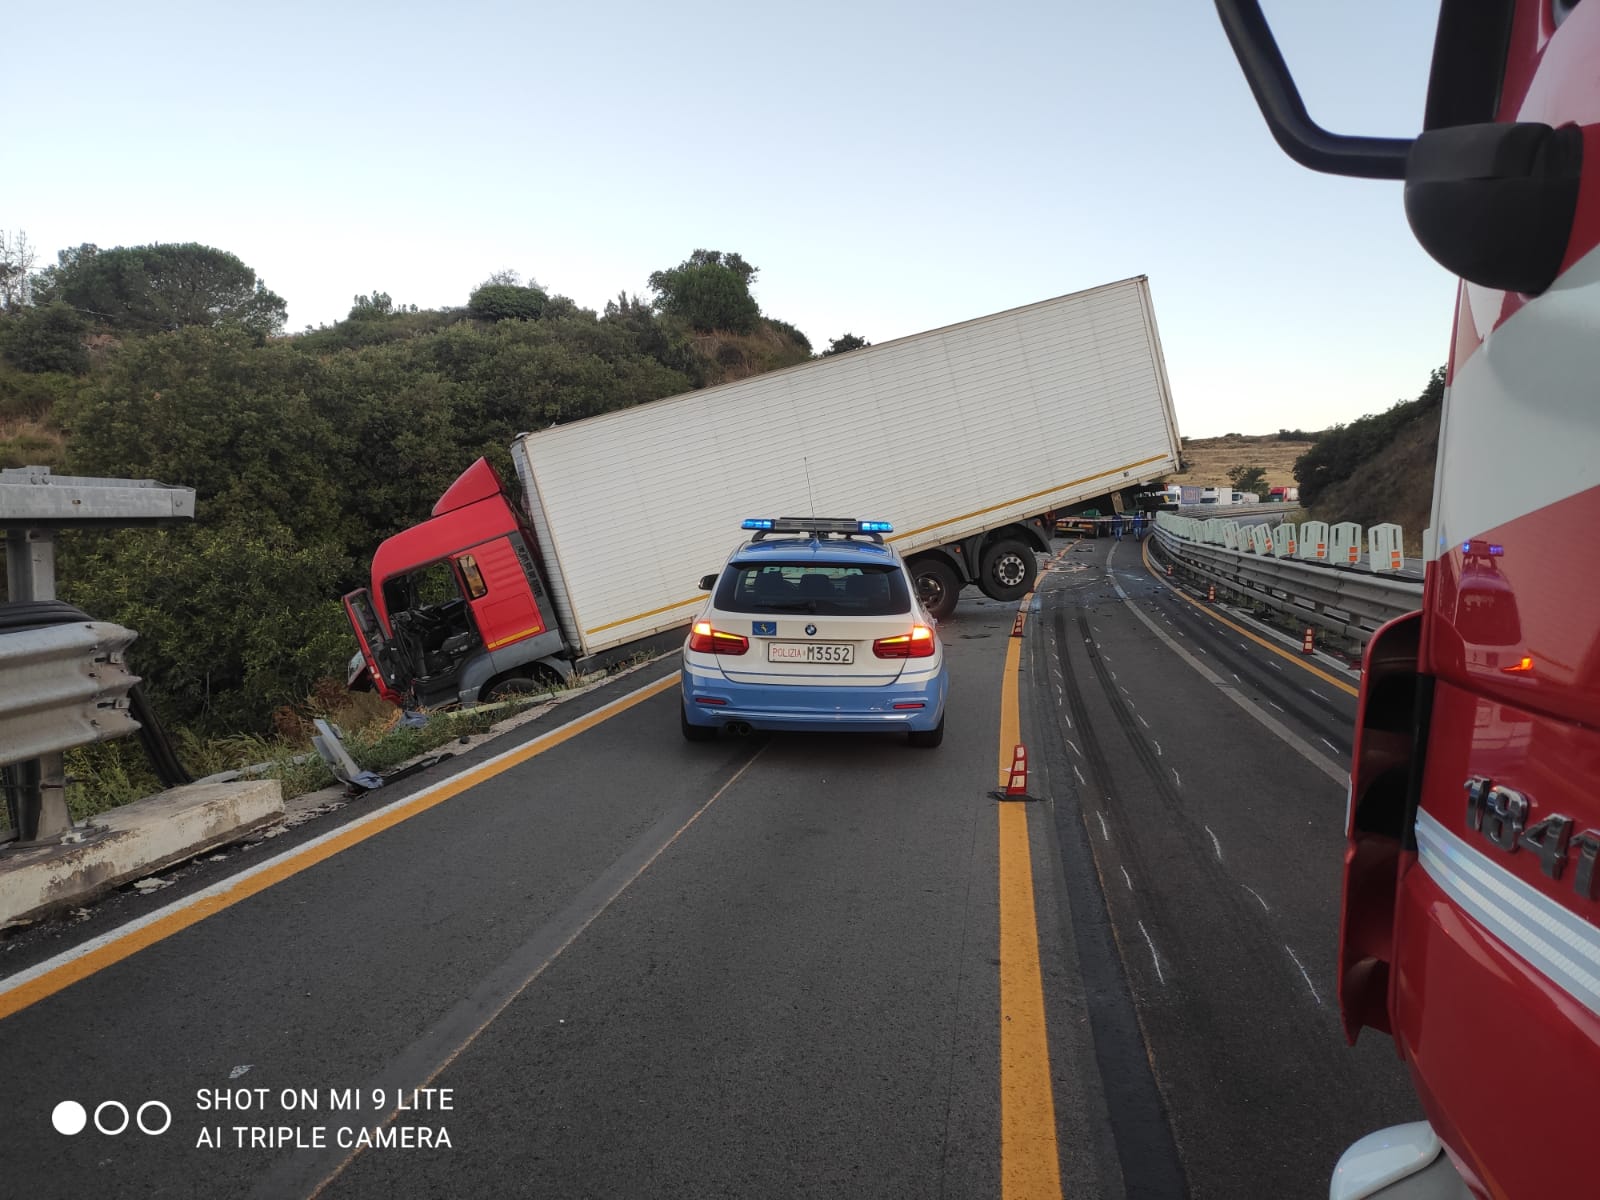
(1501, 816)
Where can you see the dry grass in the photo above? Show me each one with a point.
(31, 443)
(1210, 459)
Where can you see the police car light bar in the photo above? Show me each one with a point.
(815, 525)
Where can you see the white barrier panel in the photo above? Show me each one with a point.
(1384, 552)
(1314, 541)
(1260, 539)
(1230, 535)
(1284, 542)
(1345, 543)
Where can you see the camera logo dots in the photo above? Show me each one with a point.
(111, 1117)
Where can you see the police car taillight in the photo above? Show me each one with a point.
(706, 640)
(919, 643)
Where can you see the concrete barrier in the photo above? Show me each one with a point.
(131, 842)
(1385, 550)
(1345, 544)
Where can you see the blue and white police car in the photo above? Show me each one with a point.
(814, 624)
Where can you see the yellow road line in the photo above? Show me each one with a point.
(115, 949)
(1030, 1164)
(1243, 632)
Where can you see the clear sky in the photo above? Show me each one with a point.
(889, 167)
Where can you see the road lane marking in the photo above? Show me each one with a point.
(421, 1063)
(1082, 782)
(1306, 977)
(1216, 845)
(1306, 751)
(1330, 745)
(1260, 641)
(1257, 895)
(1030, 1161)
(1142, 721)
(1154, 957)
(1175, 778)
(65, 969)
(1125, 878)
(1105, 833)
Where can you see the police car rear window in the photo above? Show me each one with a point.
(839, 590)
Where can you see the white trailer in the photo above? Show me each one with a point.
(966, 438)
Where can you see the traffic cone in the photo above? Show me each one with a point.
(1169, 570)
(1017, 782)
(1307, 644)
(1211, 592)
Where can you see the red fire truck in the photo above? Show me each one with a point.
(1471, 921)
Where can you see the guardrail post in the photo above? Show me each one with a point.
(41, 786)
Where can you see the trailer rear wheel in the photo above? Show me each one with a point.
(1007, 571)
(938, 586)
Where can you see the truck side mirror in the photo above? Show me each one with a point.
(1494, 203)
(707, 582)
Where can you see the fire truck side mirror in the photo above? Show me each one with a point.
(1494, 203)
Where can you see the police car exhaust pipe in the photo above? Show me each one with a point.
(738, 728)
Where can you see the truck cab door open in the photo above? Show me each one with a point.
(382, 658)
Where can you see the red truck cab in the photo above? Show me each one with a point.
(456, 609)
(1470, 930)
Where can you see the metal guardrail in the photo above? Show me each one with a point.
(1347, 603)
(63, 686)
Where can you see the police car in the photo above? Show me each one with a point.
(814, 624)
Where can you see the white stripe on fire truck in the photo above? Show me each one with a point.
(1552, 939)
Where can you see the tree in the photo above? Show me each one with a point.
(159, 288)
(843, 345)
(507, 302)
(16, 270)
(1250, 479)
(710, 290)
(46, 337)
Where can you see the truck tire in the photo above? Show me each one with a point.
(938, 586)
(1007, 571)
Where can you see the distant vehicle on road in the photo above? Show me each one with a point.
(814, 625)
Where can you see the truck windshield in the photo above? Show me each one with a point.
(866, 590)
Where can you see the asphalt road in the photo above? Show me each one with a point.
(615, 964)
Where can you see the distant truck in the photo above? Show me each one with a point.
(1287, 495)
(967, 439)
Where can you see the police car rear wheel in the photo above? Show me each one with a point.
(696, 733)
(927, 739)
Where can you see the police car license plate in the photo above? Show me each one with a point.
(810, 652)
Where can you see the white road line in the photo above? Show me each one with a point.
(1235, 675)
(1125, 878)
(1274, 666)
(1175, 778)
(1157, 745)
(1306, 977)
(1082, 782)
(1067, 719)
(1113, 674)
(1155, 958)
(1142, 721)
(1331, 746)
(1242, 646)
(1315, 694)
(1257, 895)
(1105, 656)
(1215, 845)
(1277, 706)
(1104, 832)
(1074, 746)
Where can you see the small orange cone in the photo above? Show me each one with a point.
(1306, 643)
(1211, 592)
(1169, 570)
(1019, 773)
(1017, 782)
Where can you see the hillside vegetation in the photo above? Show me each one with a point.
(1376, 469)
(305, 451)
